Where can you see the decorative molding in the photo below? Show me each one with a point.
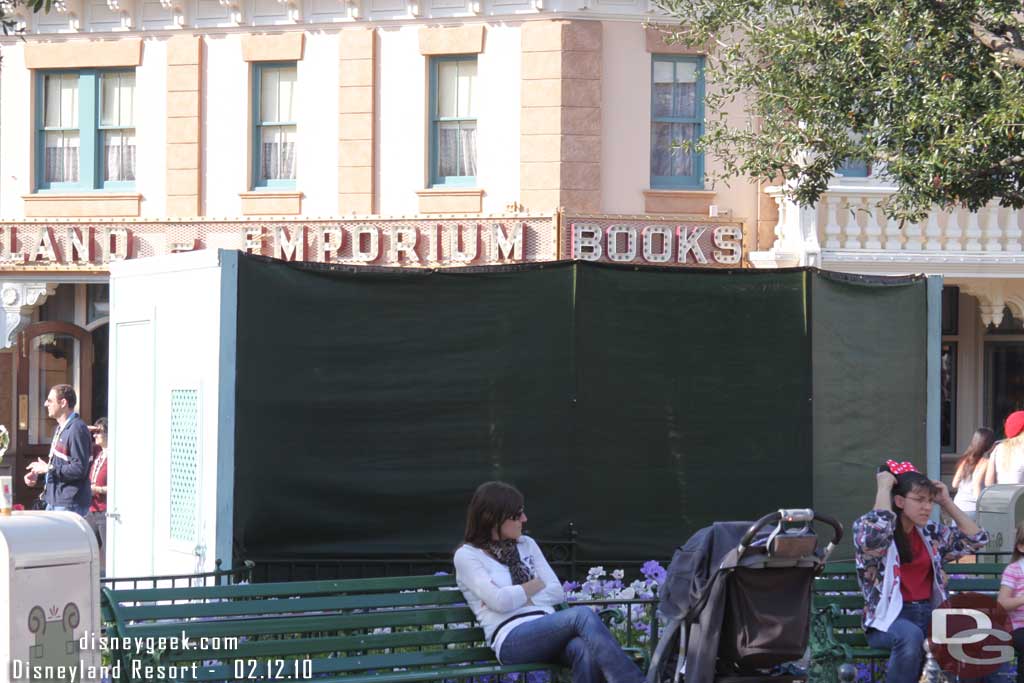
(234, 10)
(293, 8)
(70, 9)
(116, 6)
(449, 40)
(354, 8)
(271, 203)
(80, 54)
(82, 204)
(19, 299)
(276, 47)
(177, 12)
(451, 200)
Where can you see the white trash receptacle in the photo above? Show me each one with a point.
(49, 597)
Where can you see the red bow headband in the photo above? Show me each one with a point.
(898, 468)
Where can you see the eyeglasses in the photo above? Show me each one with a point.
(919, 499)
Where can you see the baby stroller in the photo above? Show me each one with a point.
(737, 597)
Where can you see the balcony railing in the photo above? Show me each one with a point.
(849, 226)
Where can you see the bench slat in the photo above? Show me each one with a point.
(284, 647)
(285, 589)
(278, 606)
(321, 623)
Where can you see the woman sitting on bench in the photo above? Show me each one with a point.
(900, 551)
(513, 592)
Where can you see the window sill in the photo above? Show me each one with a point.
(451, 200)
(695, 202)
(271, 202)
(97, 204)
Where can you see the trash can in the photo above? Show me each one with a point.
(49, 598)
(1000, 510)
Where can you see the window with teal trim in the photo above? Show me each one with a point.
(453, 120)
(86, 130)
(677, 121)
(274, 127)
(853, 168)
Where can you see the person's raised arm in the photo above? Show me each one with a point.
(883, 493)
(964, 523)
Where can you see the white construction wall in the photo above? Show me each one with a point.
(171, 375)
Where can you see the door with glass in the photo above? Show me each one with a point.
(49, 353)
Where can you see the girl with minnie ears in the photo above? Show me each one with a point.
(513, 592)
(899, 552)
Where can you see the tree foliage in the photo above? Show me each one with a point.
(9, 8)
(931, 92)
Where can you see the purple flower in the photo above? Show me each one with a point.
(440, 573)
(653, 571)
(570, 587)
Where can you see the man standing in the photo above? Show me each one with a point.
(67, 471)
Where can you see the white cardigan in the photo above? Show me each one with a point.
(487, 586)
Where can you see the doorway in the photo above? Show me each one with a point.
(49, 353)
(1004, 382)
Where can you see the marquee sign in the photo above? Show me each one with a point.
(90, 245)
(656, 241)
(423, 242)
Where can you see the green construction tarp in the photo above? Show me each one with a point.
(637, 404)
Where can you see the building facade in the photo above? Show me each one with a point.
(412, 133)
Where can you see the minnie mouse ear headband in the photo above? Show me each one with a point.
(1014, 424)
(898, 468)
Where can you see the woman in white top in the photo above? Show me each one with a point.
(1006, 464)
(971, 470)
(513, 592)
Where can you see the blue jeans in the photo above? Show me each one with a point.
(574, 637)
(905, 638)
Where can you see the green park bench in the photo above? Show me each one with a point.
(836, 632)
(381, 630)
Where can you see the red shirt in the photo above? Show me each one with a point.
(98, 477)
(917, 576)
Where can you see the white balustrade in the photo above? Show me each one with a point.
(993, 230)
(954, 231)
(1013, 231)
(853, 219)
(871, 227)
(973, 232)
(852, 226)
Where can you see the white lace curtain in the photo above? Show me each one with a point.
(119, 155)
(278, 157)
(61, 158)
(457, 150)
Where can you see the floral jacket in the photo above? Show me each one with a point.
(878, 562)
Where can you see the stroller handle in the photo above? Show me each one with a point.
(803, 515)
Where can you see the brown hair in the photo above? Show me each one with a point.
(980, 444)
(905, 484)
(66, 392)
(493, 502)
(1017, 542)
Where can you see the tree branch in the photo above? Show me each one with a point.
(998, 44)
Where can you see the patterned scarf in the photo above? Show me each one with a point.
(507, 552)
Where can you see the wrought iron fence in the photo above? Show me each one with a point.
(562, 554)
(218, 577)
